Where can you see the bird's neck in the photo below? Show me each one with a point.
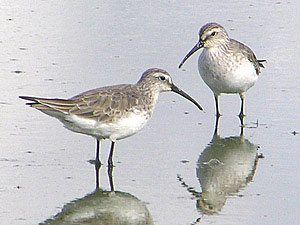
(149, 92)
(218, 51)
(221, 45)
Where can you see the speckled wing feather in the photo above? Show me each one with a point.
(105, 104)
(248, 53)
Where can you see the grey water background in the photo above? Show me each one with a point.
(62, 48)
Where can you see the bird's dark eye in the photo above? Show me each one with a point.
(213, 33)
(161, 78)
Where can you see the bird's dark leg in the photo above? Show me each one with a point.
(242, 115)
(97, 161)
(218, 114)
(110, 158)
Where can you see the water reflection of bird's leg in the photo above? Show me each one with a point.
(217, 126)
(110, 159)
(242, 129)
(111, 178)
(97, 169)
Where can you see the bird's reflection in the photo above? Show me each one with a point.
(224, 167)
(103, 208)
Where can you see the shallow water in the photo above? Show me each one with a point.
(175, 170)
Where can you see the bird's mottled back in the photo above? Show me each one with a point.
(236, 46)
(107, 104)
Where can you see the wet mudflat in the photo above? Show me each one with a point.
(177, 170)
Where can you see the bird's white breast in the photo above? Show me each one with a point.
(126, 126)
(226, 73)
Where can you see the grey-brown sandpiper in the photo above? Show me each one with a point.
(113, 112)
(225, 65)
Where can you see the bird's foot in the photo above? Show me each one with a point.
(110, 164)
(218, 115)
(242, 116)
(95, 162)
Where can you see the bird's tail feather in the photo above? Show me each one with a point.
(260, 62)
(48, 104)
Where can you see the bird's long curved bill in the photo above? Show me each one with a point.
(185, 95)
(193, 50)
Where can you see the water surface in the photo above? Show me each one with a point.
(61, 48)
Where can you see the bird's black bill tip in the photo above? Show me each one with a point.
(180, 65)
(185, 95)
(183, 61)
